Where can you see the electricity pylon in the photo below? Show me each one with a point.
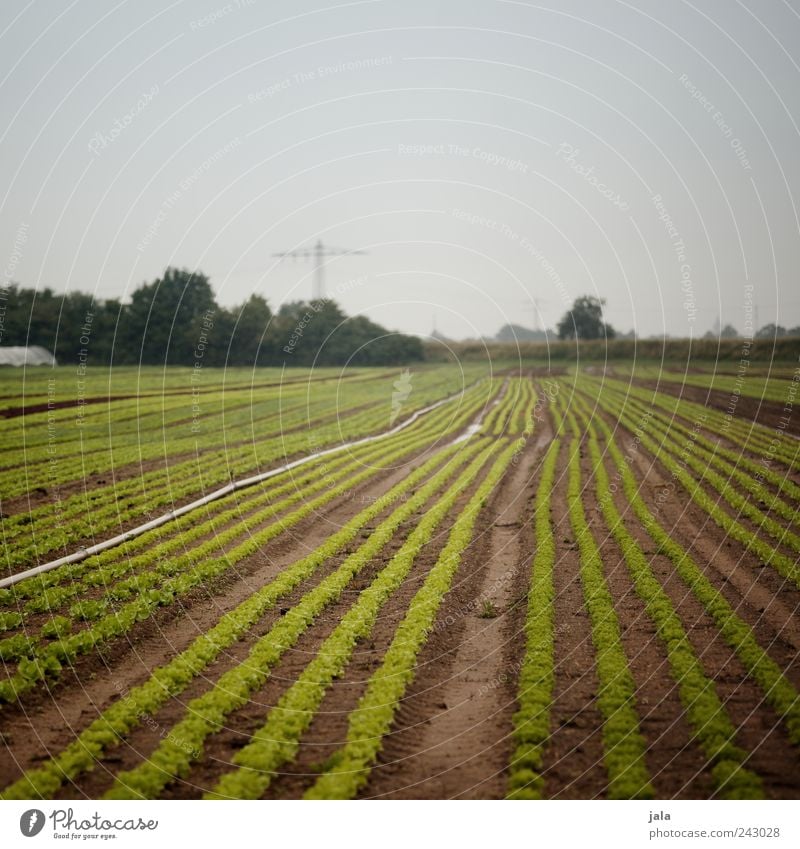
(317, 254)
(533, 305)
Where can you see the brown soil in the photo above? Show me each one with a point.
(573, 758)
(328, 730)
(676, 765)
(452, 736)
(42, 496)
(452, 733)
(241, 724)
(765, 600)
(746, 409)
(30, 409)
(773, 621)
(45, 721)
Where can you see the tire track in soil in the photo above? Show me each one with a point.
(453, 734)
(328, 729)
(50, 718)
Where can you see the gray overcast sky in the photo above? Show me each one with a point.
(485, 154)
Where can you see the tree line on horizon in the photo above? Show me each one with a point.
(584, 320)
(175, 320)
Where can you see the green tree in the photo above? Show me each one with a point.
(585, 320)
(175, 320)
(319, 332)
(108, 315)
(77, 312)
(165, 319)
(31, 317)
(771, 331)
(247, 336)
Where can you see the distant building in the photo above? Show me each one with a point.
(517, 333)
(26, 355)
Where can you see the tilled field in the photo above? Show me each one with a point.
(542, 587)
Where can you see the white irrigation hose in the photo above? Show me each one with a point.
(83, 553)
(478, 423)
